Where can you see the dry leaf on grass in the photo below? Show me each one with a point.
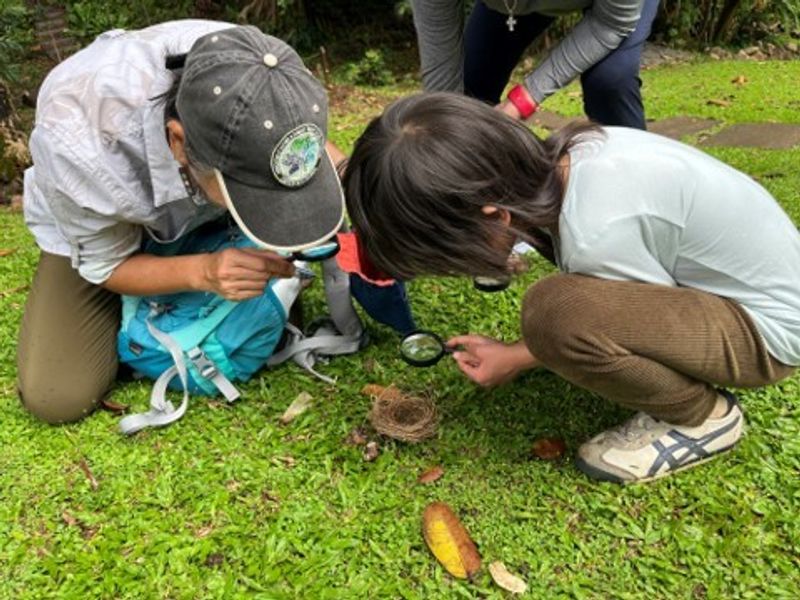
(717, 102)
(373, 390)
(297, 408)
(116, 407)
(740, 80)
(449, 541)
(284, 461)
(203, 531)
(68, 519)
(506, 580)
(7, 251)
(431, 475)
(548, 448)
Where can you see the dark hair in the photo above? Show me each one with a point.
(421, 173)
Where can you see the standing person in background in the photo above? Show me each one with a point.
(604, 48)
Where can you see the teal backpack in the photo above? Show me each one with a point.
(201, 343)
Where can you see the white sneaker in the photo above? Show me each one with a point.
(645, 448)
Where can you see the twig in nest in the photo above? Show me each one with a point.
(402, 417)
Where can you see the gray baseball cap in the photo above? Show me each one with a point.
(252, 111)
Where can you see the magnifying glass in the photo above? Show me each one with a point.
(491, 284)
(423, 348)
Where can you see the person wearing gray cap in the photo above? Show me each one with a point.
(152, 134)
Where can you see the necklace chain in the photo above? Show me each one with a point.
(510, 21)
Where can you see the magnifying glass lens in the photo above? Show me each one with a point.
(422, 348)
(491, 284)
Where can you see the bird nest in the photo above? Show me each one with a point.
(401, 416)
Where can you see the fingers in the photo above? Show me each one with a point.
(263, 261)
(466, 358)
(467, 340)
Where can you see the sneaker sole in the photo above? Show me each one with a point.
(600, 475)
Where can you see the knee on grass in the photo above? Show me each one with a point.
(55, 406)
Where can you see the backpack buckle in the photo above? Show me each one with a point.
(205, 367)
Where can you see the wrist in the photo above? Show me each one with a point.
(523, 358)
(522, 101)
(200, 273)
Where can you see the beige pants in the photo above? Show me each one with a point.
(647, 347)
(67, 352)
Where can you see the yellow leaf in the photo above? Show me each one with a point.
(506, 580)
(449, 541)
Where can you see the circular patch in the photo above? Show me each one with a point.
(297, 156)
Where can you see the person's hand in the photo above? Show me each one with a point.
(509, 109)
(242, 273)
(489, 362)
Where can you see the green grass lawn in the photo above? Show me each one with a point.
(212, 507)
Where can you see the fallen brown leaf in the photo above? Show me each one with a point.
(449, 541)
(739, 80)
(287, 461)
(203, 531)
(88, 472)
(371, 451)
(7, 251)
(298, 406)
(116, 407)
(431, 475)
(717, 102)
(69, 519)
(548, 448)
(373, 390)
(504, 579)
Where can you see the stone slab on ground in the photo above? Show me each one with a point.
(773, 136)
(677, 127)
(551, 120)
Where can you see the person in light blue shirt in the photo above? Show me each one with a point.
(679, 275)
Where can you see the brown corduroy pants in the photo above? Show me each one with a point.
(67, 350)
(653, 348)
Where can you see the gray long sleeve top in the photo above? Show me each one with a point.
(440, 34)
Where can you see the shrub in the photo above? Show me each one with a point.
(370, 70)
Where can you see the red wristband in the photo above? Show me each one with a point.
(520, 98)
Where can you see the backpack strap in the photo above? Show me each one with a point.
(162, 411)
(346, 337)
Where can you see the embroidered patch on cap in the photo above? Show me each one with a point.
(296, 157)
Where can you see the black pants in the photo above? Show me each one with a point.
(611, 88)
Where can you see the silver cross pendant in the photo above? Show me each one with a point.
(511, 21)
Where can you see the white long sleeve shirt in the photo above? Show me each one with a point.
(641, 207)
(102, 172)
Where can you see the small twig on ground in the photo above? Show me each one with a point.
(88, 472)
